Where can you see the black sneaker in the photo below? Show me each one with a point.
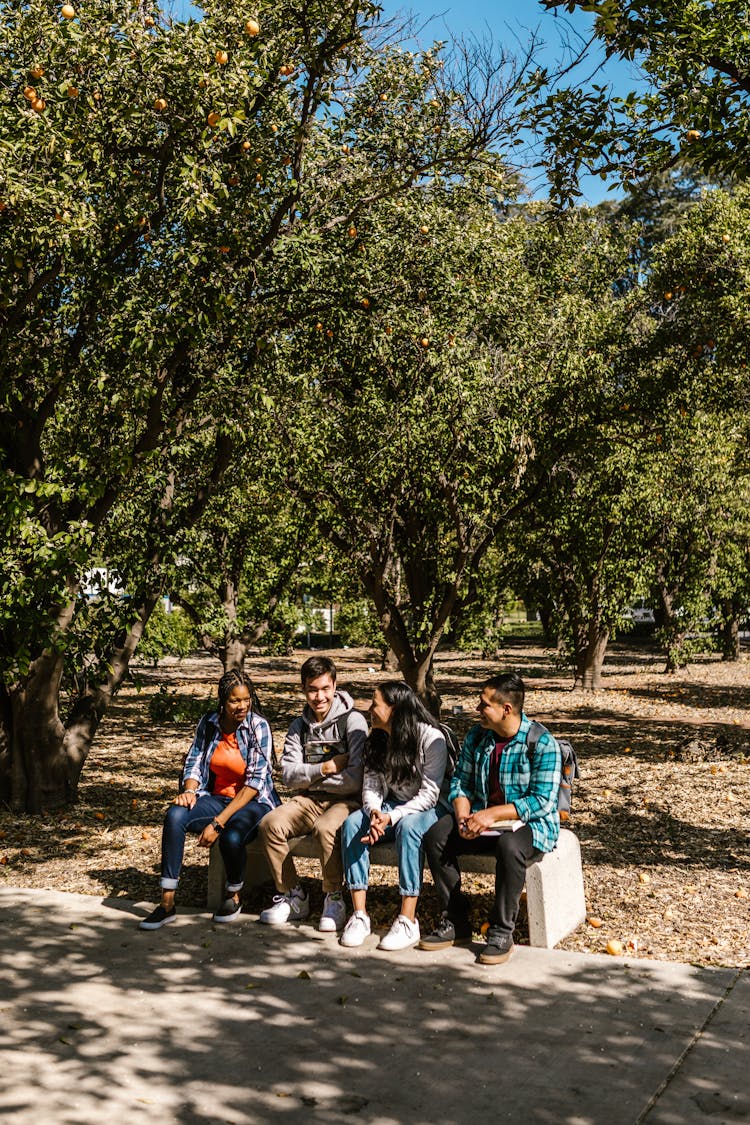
(446, 933)
(229, 911)
(498, 949)
(158, 918)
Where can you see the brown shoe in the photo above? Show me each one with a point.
(499, 948)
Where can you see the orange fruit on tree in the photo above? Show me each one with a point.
(425, 342)
(213, 118)
(693, 134)
(252, 27)
(160, 104)
(246, 146)
(29, 93)
(68, 12)
(221, 57)
(149, 21)
(352, 232)
(72, 91)
(37, 71)
(39, 105)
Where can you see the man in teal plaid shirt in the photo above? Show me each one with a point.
(504, 803)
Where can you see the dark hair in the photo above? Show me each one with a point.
(396, 755)
(509, 687)
(232, 679)
(316, 666)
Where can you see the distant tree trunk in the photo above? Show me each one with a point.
(670, 629)
(389, 663)
(590, 658)
(729, 629)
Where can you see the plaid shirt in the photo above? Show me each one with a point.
(531, 786)
(253, 742)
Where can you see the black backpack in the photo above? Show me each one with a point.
(453, 747)
(570, 770)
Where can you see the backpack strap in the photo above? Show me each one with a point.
(536, 730)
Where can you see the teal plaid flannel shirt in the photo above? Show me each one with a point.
(531, 786)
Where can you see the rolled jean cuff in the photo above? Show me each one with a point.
(168, 884)
(364, 887)
(234, 887)
(410, 894)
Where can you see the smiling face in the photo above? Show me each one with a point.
(236, 707)
(380, 712)
(319, 694)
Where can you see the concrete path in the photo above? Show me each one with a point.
(101, 1022)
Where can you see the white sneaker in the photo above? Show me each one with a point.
(356, 930)
(401, 935)
(291, 907)
(334, 914)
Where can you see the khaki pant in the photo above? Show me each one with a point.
(323, 819)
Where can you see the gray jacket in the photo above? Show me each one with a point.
(308, 743)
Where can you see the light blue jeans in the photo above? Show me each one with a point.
(408, 834)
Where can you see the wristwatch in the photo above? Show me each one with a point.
(216, 826)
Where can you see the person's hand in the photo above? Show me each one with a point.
(187, 798)
(208, 836)
(476, 822)
(379, 821)
(334, 765)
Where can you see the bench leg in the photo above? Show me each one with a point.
(256, 871)
(555, 896)
(217, 879)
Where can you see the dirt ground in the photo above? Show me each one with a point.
(661, 809)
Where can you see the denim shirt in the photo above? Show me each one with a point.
(254, 744)
(531, 785)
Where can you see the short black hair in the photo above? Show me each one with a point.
(316, 666)
(509, 687)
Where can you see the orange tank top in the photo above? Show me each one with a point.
(228, 767)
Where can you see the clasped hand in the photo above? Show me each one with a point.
(475, 824)
(379, 821)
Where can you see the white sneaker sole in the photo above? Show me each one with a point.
(328, 926)
(395, 948)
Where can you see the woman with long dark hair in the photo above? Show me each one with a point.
(405, 760)
(227, 788)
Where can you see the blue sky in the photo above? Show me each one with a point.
(510, 23)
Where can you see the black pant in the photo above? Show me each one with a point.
(513, 851)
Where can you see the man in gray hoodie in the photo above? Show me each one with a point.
(322, 760)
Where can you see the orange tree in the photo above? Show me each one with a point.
(154, 179)
(440, 391)
(694, 409)
(693, 97)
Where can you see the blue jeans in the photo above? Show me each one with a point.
(408, 834)
(242, 827)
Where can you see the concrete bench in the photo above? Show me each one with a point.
(554, 887)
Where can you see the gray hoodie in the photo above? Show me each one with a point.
(309, 742)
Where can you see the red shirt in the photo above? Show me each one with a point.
(497, 793)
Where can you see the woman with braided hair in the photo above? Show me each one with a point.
(227, 788)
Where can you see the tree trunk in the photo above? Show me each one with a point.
(389, 663)
(45, 756)
(590, 658)
(729, 629)
(418, 674)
